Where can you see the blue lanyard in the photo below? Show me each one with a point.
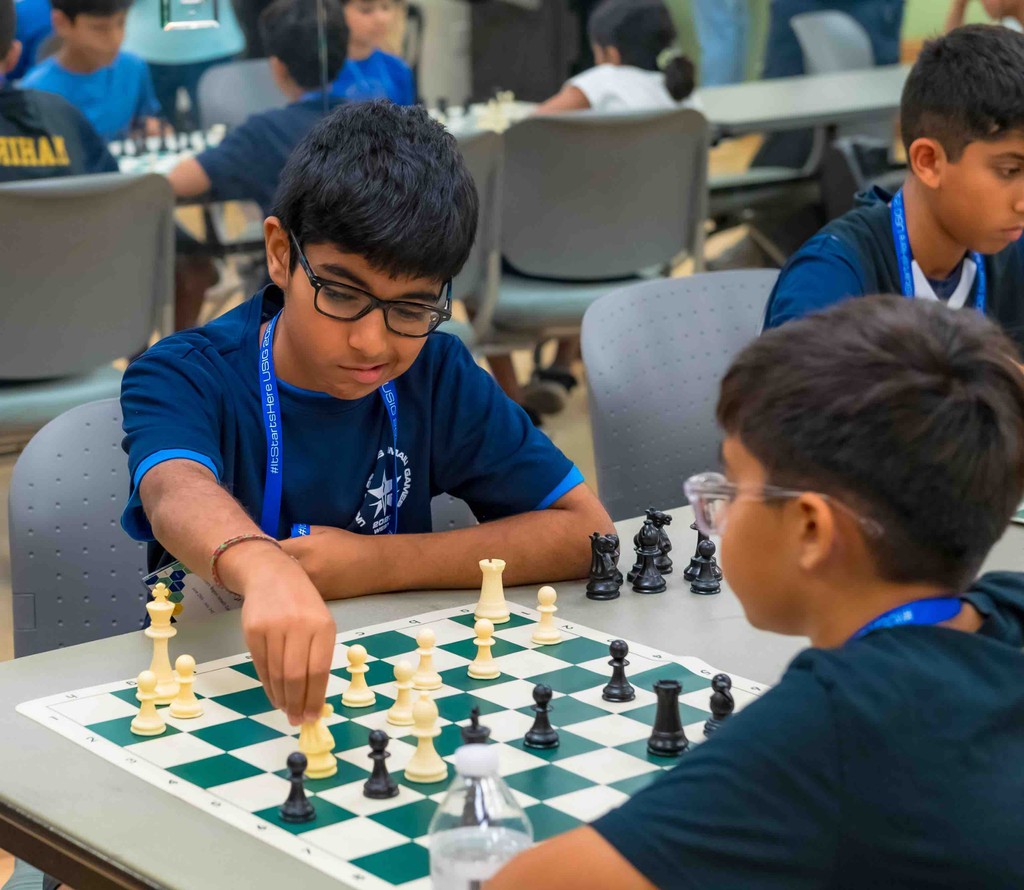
(274, 483)
(930, 611)
(898, 217)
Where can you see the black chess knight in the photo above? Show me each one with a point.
(605, 577)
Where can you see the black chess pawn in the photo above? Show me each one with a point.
(667, 738)
(618, 688)
(722, 703)
(297, 807)
(648, 579)
(541, 734)
(605, 577)
(380, 785)
(709, 575)
(664, 562)
(475, 733)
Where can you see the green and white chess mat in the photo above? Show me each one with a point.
(231, 761)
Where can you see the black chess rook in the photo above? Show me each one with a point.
(667, 738)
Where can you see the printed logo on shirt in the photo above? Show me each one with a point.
(378, 505)
(33, 151)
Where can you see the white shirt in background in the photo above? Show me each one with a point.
(626, 88)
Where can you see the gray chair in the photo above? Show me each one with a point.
(230, 93)
(590, 200)
(655, 354)
(76, 576)
(101, 281)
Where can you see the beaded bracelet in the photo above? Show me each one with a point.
(228, 544)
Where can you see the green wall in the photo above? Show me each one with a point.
(925, 18)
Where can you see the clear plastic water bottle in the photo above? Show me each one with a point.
(479, 825)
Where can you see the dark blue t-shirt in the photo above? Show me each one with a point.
(196, 395)
(893, 761)
(378, 76)
(247, 165)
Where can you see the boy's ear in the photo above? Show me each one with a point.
(278, 251)
(8, 62)
(927, 159)
(817, 530)
(61, 23)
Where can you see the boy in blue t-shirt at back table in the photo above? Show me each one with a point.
(873, 454)
(369, 72)
(319, 419)
(111, 88)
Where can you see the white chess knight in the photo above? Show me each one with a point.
(186, 706)
(160, 631)
(491, 604)
(426, 677)
(400, 713)
(545, 633)
(484, 667)
(358, 694)
(317, 743)
(426, 765)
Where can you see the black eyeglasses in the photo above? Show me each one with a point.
(343, 302)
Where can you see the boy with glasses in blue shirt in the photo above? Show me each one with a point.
(289, 451)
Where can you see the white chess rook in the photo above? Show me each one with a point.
(545, 633)
(400, 713)
(160, 631)
(358, 694)
(491, 604)
(425, 766)
(484, 667)
(426, 677)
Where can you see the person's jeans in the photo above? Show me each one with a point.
(723, 27)
(28, 877)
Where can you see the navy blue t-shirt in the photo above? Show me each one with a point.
(196, 395)
(893, 761)
(247, 165)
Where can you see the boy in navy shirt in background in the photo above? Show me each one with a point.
(111, 88)
(369, 72)
(873, 454)
(953, 233)
(319, 419)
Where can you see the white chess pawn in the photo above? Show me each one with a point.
(317, 743)
(491, 604)
(148, 721)
(400, 713)
(358, 694)
(160, 631)
(186, 705)
(426, 677)
(484, 667)
(425, 766)
(545, 633)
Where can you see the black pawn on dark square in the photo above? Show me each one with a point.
(722, 703)
(297, 808)
(664, 562)
(541, 734)
(709, 575)
(618, 688)
(648, 579)
(475, 733)
(380, 785)
(667, 738)
(605, 577)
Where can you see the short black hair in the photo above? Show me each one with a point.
(385, 182)
(642, 30)
(965, 87)
(907, 411)
(8, 25)
(74, 8)
(288, 29)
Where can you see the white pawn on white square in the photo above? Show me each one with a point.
(148, 721)
(426, 677)
(186, 706)
(545, 633)
(358, 694)
(484, 667)
(400, 713)
(426, 765)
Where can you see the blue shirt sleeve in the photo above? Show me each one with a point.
(238, 166)
(171, 410)
(823, 272)
(149, 105)
(485, 449)
(756, 805)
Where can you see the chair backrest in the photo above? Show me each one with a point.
(88, 271)
(230, 93)
(832, 41)
(76, 576)
(655, 354)
(477, 283)
(593, 196)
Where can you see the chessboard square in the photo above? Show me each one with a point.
(569, 745)
(412, 820)
(421, 884)
(530, 662)
(634, 784)
(212, 771)
(639, 749)
(401, 753)
(269, 756)
(468, 648)
(507, 725)
(514, 621)
(577, 650)
(456, 707)
(98, 708)
(398, 865)
(611, 729)
(647, 713)
(119, 731)
(214, 714)
(237, 734)
(248, 668)
(335, 685)
(224, 682)
(607, 765)
(570, 680)
(567, 710)
(349, 735)
(347, 774)
(350, 797)
(588, 804)
(547, 822)
(326, 814)
(547, 781)
(247, 702)
(445, 631)
(278, 720)
(378, 718)
(514, 758)
(449, 740)
(458, 678)
(695, 733)
(129, 695)
(359, 837)
(592, 696)
(390, 643)
(510, 694)
(690, 681)
(256, 793)
(520, 635)
(377, 672)
(172, 750)
(443, 660)
(380, 703)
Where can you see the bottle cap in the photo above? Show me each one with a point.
(474, 761)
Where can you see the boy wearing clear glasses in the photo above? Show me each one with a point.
(317, 420)
(873, 454)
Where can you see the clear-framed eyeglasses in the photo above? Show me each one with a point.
(711, 495)
(344, 302)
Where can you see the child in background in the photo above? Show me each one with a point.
(369, 72)
(111, 88)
